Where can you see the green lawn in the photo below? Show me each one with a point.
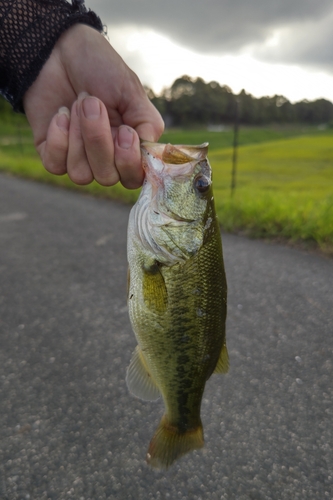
(284, 179)
(247, 135)
(284, 189)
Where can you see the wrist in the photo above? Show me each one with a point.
(29, 37)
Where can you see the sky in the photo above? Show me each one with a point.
(266, 47)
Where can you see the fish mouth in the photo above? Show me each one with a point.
(174, 155)
(177, 161)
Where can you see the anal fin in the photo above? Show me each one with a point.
(139, 380)
(223, 361)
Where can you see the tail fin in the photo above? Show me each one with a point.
(168, 444)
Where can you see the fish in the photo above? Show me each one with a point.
(177, 294)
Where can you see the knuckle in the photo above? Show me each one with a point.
(99, 138)
(131, 183)
(55, 169)
(81, 177)
(54, 158)
(106, 177)
(54, 166)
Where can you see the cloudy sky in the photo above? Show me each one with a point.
(266, 47)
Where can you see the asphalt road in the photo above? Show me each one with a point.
(69, 427)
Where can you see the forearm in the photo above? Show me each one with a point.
(29, 29)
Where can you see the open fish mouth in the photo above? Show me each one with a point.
(175, 155)
(175, 161)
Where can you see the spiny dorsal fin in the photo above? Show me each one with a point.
(139, 379)
(223, 361)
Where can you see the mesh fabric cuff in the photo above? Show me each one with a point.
(29, 29)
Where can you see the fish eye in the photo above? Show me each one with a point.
(201, 183)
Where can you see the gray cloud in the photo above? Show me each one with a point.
(225, 26)
(309, 43)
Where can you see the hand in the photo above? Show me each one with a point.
(99, 137)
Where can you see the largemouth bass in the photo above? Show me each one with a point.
(177, 294)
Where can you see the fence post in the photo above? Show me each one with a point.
(235, 148)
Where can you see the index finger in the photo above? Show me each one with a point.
(98, 141)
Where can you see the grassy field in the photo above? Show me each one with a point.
(284, 179)
(284, 190)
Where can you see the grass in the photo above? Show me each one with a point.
(284, 190)
(247, 135)
(284, 179)
(19, 157)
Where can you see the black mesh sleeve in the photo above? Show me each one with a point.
(29, 29)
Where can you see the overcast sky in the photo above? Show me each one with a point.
(265, 46)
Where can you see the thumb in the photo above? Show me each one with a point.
(145, 119)
(150, 131)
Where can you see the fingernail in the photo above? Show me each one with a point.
(125, 137)
(82, 95)
(63, 119)
(91, 108)
(78, 102)
(114, 132)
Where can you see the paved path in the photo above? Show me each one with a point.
(68, 426)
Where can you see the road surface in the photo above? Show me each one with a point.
(69, 429)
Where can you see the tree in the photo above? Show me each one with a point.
(192, 101)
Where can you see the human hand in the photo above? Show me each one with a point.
(99, 137)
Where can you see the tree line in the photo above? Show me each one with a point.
(192, 101)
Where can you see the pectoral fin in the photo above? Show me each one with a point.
(154, 289)
(223, 361)
(139, 379)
